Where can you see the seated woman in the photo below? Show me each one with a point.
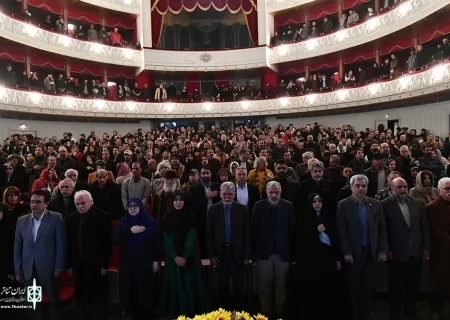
(183, 291)
(48, 180)
(139, 240)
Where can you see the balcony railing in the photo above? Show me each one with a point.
(429, 81)
(128, 6)
(279, 5)
(31, 35)
(377, 27)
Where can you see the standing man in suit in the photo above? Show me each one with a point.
(438, 215)
(39, 251)
(203, 196)
(288, 186)
(89, 246)
(408, 240)
(272, 233)
(362, 234)
(246, 194)
(228, 243)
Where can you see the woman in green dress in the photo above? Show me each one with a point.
(183, 291)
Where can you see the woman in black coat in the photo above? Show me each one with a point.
(140, 248)
(318, 253)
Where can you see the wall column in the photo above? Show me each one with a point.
(144, 24)
(416, 41)
(265, 24)
(67, 67)
(341, 67)
(105, 75)
(378, 55)
(377, 6)
(24, 5)
(28, 61)
(307, 69)
(340, 10)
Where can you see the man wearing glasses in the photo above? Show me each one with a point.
(438, 215)
(40, 254)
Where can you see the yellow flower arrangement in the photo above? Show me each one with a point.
(222, 314)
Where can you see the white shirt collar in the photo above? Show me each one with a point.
(243, 188)
(40, 219)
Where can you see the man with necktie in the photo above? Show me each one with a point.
(40, 250)
(228, 245)
(362, 233)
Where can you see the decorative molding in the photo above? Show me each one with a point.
(431, 81)
(128, 6)
(406, 14)
(33, 36)
(166, 60)
(279, 5)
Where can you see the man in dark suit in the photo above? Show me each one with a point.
(228, 243)
(246, 194)
(64, 162)
(272, 231)
(89, 247)
(288, 186)
(39, 251)
(64, 203)
(362, 233)
(409, 243)
(317, 184)
(203, 196)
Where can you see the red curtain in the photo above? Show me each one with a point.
(160, 8)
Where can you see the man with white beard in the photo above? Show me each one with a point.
(162, 202)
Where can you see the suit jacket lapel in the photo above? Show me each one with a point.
(30, 229)
(42, 226)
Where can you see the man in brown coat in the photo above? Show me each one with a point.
(438, 215)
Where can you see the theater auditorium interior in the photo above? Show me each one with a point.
(276, 159)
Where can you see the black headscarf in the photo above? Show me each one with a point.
(179, 223)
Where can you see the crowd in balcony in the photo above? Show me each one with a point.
(79, 30)
(391, 68)
(310, 29)
(304, 201)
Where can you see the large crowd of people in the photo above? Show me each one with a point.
(314, 209)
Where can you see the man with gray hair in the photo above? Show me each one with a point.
(64, 203)
(72, 174)
(302, 168)
(317, 184)
(362, 233)
(438, 215)
(228, 245)
(272, 232)
(89, 232)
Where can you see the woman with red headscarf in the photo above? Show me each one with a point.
(47, 181)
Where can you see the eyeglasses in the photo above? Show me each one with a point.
(36, 201)
(133, 206)
(178, 199)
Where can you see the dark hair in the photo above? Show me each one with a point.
(280, 161)
(205, 168)
(42, 193)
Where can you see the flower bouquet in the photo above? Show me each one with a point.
(222, 314)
